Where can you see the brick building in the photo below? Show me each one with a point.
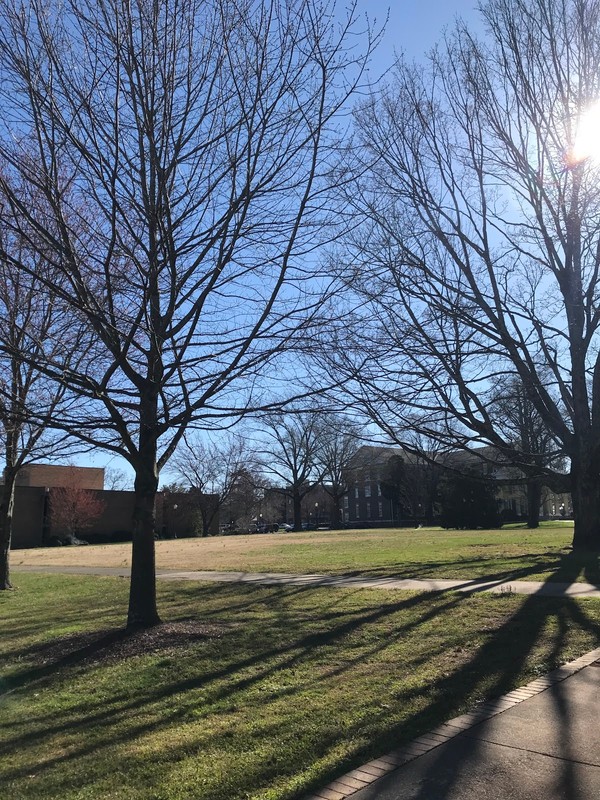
(366, 503)
(33, 526)
(55, 475)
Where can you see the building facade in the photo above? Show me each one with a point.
(377, 497)
(41, 488)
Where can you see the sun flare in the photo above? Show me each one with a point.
(587, 137)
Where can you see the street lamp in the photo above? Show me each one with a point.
(316, 515)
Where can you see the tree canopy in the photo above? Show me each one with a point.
(183, 155)
(478, 253)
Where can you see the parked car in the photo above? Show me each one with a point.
(284, 526)
(263, 527)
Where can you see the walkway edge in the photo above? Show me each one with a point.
(346, 785)
(465, 586)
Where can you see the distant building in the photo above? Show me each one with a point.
(365, 503)
(55, 476)
(177, 514)
(368, 504)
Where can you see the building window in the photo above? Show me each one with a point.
(378, 490)
(346, 501)
(380, 510)
(357, 511)
(367, 490)
(368, 510)
(356, 492)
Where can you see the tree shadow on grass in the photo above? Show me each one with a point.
(502, 657)
(563, 568)
(44, 659)
(251, 658)
(574, 565)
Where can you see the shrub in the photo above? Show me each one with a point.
(469, 501)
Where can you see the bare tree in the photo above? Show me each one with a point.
(31, 322)
(291, 454)
(211, 468)
(73, 508)
(339, 442)
(117, 480)
(184, 150)
(412, 485)
(520, 422)
(479, 256)
(245, 500)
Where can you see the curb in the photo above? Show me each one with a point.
(368, 773)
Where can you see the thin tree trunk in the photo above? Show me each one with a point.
(205, 521)
(534, 499)
(7, 501)
(429, 512)
(336, 516)
(210, 517)
(297, 501)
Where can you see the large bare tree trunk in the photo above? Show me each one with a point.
(143, 611)
(585, 494)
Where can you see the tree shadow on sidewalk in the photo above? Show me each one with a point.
(562, 568)
(502, 658)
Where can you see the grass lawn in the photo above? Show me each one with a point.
(248, 692)
(507, 554)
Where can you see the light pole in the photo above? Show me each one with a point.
(316, 515)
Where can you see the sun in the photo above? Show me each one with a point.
(587, 137)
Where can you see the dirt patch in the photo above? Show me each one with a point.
(111, 646)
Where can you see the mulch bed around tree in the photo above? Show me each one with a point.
(111, 646)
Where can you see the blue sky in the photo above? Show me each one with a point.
(414, 27)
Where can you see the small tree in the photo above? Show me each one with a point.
(469, 502)
(395, 486)
(537, 450)
(292, 454)
(244, 501)
(339, 442)
(73, 509)
(32, 322)
(117, 480)
(212, 470)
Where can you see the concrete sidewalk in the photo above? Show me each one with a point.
(541, 741)
(543, 588)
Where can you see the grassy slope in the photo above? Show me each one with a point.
(301, 684)
(510, 553)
